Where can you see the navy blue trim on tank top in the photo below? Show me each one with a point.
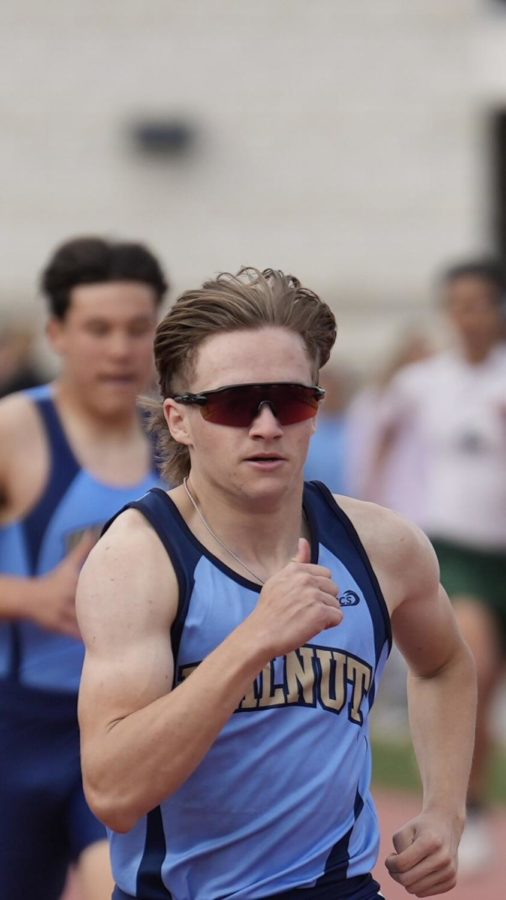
(160, 512)
(379, 610)
(12, 674)
(156, 514)
(199, 548)
(149, 880)
(63, 468)
(360, 887)
(336, 866)
(204, 551)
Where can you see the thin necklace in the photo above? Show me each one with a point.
(215, 536)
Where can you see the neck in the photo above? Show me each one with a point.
(262, 539)
(72, 404)
(478, 352)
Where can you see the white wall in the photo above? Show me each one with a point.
(341, 140)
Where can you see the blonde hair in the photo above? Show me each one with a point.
(251, 299)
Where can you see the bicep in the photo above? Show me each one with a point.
(425, 630)
(116, 684)
(126, 598)
(423, 622)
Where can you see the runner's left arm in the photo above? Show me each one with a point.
(442, 709)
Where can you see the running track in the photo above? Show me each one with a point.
(395, 808)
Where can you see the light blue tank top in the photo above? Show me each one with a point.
(282, 798)
(73, 501)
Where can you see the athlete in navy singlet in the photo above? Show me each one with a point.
(72, 453)
(224, 714)
(311, 705)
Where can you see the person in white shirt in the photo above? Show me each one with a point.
(455, 404)
(396, 488)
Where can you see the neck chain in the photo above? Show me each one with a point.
(215, 536)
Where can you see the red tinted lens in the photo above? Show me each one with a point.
(238, 406)
(293, 403)
(231, 406)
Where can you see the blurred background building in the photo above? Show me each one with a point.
(358, 145)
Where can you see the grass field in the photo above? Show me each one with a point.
(395, 767)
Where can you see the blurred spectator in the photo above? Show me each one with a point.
(455, 404)
(18, 371)
(325, 461)
(394, 485)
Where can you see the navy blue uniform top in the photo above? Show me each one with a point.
(73, 501)
(281, 800)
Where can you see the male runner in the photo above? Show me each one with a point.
(237, 627)
(71, 454)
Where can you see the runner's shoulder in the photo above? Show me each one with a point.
(386, 534)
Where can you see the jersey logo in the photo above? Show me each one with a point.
(349, 598)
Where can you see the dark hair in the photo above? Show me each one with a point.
(93, 260)
(249, 300)
(486, 269)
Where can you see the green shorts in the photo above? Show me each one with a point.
(478, 574)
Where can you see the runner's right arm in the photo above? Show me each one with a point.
(140, 739)
(48, 600)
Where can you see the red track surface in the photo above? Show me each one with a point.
(395, 808)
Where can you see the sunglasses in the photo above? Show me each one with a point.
(240, 404)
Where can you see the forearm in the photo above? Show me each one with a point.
(18, 596)
(164, 741)
(442, 710)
